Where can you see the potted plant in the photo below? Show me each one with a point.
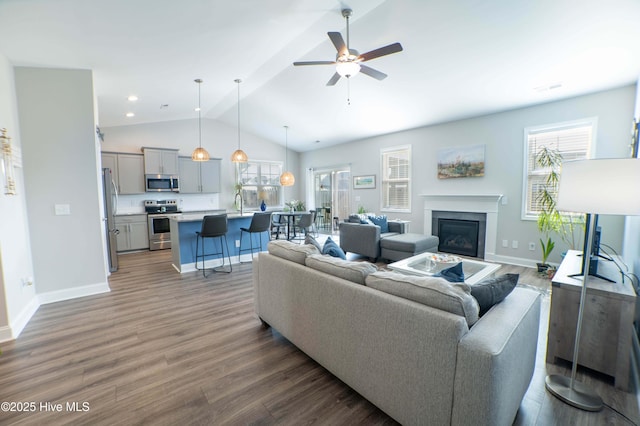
(550, 220)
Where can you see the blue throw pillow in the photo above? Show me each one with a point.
(452, 274)
(332, 249)
(381, 221)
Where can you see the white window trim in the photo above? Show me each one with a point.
(281, 192)
(389, 149)
(592, 121)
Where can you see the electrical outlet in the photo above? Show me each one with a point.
(514, 244)
(237, 243)
(505, 243)
(532, 246)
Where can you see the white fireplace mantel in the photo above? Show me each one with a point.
(473, 203)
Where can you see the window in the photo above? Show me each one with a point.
(260, 181)
(396, 179)
(573, 140)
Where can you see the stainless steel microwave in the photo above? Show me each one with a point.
(162, 183)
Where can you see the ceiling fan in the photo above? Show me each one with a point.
(349, 61)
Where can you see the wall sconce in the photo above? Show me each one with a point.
(7, 164)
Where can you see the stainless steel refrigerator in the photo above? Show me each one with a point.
(110, 206)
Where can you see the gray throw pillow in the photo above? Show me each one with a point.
(308, 239)
(493, 290)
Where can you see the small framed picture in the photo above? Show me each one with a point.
(364, 182)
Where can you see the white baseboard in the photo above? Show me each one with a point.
(73, 293)
(12, 331)
(212, 263)
(510, 260)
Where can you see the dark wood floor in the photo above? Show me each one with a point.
(164, 348)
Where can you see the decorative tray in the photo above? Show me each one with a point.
(444, 258)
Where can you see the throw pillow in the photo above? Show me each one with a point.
(381, 221)
(493, 290)
(353, 218)
(332, 249)
(308, 239)
(453, 274)
(364, 220)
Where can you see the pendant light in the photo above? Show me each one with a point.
(239, 155)
(286, 178)
(199, 154)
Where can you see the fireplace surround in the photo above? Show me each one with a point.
(486, 205)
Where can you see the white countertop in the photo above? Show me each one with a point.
(195, 217)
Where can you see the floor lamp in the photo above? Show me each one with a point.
(606, 186)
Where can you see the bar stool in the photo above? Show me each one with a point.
(214, 226)
(260, 222)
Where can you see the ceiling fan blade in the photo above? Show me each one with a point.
(314, 63)
(338, 42)
(333, 80)
(372, 73)
(382, 51)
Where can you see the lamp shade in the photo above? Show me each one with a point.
(600, 186)
(287, 179)
(347, 68)
(239, 156)
(200, 154)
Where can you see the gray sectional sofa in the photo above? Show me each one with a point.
(420, 364)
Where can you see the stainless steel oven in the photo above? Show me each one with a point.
(158, 214)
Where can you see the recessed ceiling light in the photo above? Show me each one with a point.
(547, 87)
(132, 98)
(163, 106)
(196, 109)
(130, 114)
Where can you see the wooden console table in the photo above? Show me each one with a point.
(605, 341)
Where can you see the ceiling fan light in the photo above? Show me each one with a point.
(200, 154)
(347, 68)
(287, 179)
(239, 156)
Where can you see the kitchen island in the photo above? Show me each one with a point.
(183, 239)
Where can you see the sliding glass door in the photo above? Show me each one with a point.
(331, 195)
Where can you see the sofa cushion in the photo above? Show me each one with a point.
(332, 249)
(353, 271)
(453, 274)
(291, 251)
(381, 221)
(431, 291)
(493, 290)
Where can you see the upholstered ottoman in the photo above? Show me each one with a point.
(401, 246)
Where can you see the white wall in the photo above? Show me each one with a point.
(503, 135)
(631, 246)
(218, 139)
(17, 302)
(55, 109)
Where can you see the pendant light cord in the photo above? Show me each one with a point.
(286, 148)
(238, 81)
(199, 116)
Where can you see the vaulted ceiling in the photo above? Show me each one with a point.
(461, 58)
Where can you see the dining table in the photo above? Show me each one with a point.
(290, 217)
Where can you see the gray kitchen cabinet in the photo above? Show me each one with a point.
(199, 176)
(127, 171)
(160, 161)
(131, 173)
(133, 232)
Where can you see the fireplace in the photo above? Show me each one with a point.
(460, 232)
(485, 206)
(458, 236)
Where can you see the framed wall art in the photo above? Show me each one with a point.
(465, 161)
(364, 182)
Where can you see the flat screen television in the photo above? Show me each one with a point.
(595, 253)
